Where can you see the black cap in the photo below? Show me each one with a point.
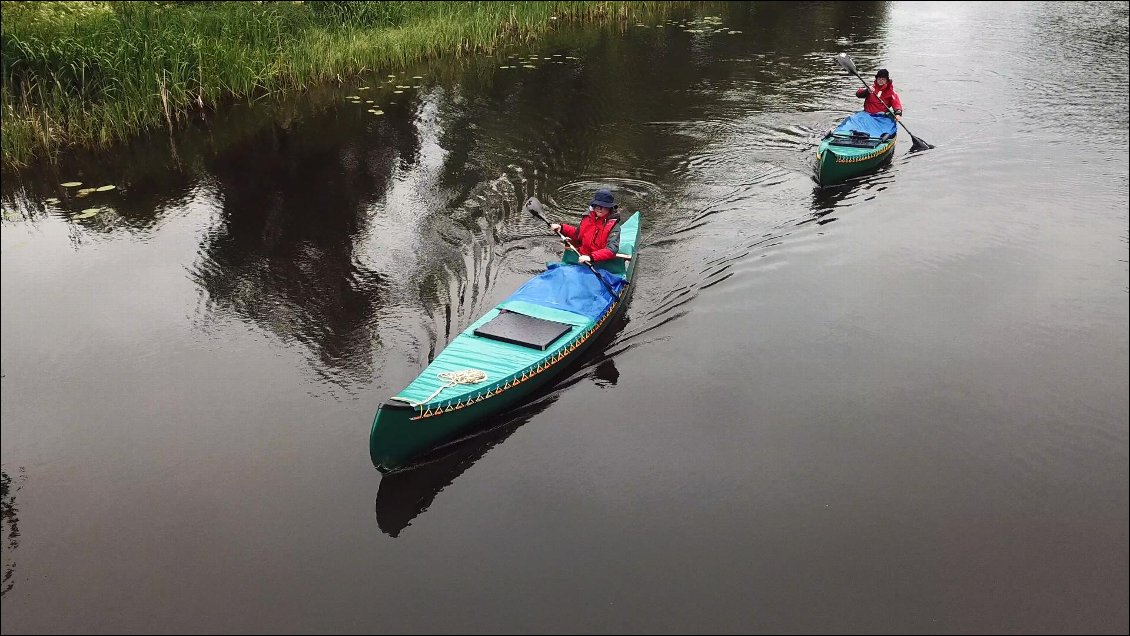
(604, 199)
(883, 73)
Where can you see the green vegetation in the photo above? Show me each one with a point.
(98, 72)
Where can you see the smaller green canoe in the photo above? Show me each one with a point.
(860, 144)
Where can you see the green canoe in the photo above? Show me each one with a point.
(860, 144)
(433, 410)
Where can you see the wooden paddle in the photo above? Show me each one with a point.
(845, 61)
(534, 207)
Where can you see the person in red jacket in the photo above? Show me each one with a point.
(598, 236)
(880, 95)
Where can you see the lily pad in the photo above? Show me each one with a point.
(51, 200)
(104, 188)
(377, 112)
(363, 88)
(528, 66)
(417, 77)
(398, 92)
(87, 213)
(71, 184)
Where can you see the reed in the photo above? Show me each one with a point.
(92, 73)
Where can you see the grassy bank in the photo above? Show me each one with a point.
(93, 73)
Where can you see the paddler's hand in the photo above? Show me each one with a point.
(584, 258)
(556, 227)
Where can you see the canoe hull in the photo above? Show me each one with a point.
(836, 164)
(401, 432)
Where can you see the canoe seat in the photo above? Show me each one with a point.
(617, 266)
(520, 329)
(856, 140)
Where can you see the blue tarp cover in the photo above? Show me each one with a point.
(873, 125)
(572, 288)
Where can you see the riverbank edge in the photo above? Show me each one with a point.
(46, 115)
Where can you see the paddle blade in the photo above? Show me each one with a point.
(534, 207)
(844, 60)
(919, 144)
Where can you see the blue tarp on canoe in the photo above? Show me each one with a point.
(571, 288)
(873, 125)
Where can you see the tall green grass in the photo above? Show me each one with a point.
(92, 73)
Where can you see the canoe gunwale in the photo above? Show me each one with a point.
(840, 167)
(443, 407)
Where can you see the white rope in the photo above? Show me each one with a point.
(466, 376)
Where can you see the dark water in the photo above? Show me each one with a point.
(894, 406)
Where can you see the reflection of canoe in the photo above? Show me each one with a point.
(861, 143)
(519, 345)
(406, 494)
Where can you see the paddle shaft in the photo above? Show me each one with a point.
(569, 244)
(849, 66)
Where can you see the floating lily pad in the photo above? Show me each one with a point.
(398, 92)
(104, 188)
(87, 213)
(363, 88)
(377, 112)
(71, 184)
(417, 77)
(528, 66)
(51, 200)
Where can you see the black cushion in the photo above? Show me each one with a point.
(520, 329)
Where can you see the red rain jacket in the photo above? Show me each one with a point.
(873, 95)
(595, 238)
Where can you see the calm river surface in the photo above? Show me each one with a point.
(894, 406)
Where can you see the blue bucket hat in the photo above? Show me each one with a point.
(604, 199)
